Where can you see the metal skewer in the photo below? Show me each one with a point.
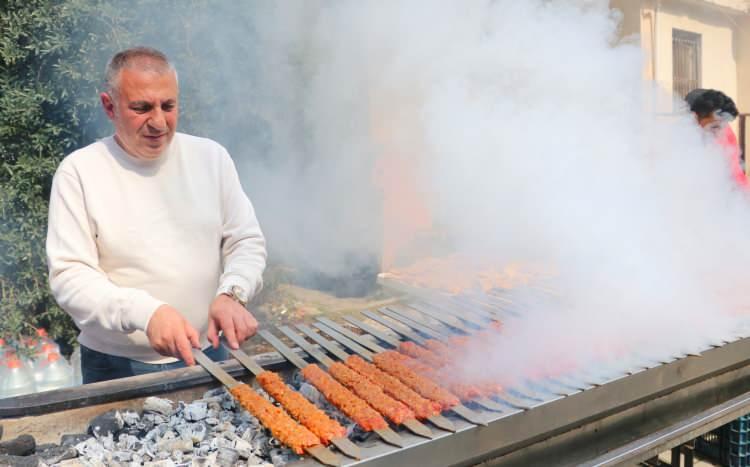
(430, 331)
(396, 327)
(386, 434)
(343, 444)
(483, 401)
(389, 339)
(437, 420)
(459, 409)
(319, 452)
(413, 424)
(452, 322)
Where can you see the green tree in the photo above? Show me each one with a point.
(50, 68)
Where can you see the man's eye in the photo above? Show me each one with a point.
(168, 107)
(140, 110)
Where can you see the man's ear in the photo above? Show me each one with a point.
(108, 104)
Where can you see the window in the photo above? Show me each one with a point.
(686, 62)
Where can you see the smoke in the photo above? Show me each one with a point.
(529, 132)
(519, 131)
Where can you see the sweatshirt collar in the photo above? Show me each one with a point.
(138, 162)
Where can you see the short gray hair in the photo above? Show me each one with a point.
(142, 58)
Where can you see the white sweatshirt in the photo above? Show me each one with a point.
(128, 235)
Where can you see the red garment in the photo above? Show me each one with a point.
(728, 141)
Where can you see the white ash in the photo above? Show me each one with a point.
(158, 405)
(211, 431)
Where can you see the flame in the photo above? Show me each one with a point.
(395, 129)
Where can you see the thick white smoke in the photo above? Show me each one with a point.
(536, 140)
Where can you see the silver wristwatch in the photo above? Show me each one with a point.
(236, 293)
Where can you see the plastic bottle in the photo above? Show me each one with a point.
(18, 379)
(75, 362)
(54, 373)
(39, 363)
(44, 338)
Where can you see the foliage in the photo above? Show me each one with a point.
(51, 55)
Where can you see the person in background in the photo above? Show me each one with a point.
(714, 111)
(153, 247)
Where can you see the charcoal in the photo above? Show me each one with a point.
(122, 456)
(360, 435)
(168, 435)
(18, 461)
(107, 423)
(158, 405)
(73, 439)
(243, 448)
(273, 442)
(208, 460)
(194, 432)
(154, 418)
(76, 462)
(212, 421)
(227, 457)
(177, 456)
(45, 446)
(228, 404)
(278, 457)
(216, 405)
(310, 393)
(196, 411)
(1, 432)
(55, 454)
(216, 392)
(183, 445)
(218, 443)
(161, 463)
(130, 417)
(223, 427)
(202, 451)
(226, 416)
(20, 446)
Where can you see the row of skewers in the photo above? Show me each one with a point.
(374, 385)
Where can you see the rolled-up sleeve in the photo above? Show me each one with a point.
(243, 245)
(78, 283)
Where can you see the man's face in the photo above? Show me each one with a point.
(144, 110)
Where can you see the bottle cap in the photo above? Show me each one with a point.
(53, 357)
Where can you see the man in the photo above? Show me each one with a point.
(153, 247)
(714, 111)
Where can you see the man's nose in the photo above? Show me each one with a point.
(158, 120)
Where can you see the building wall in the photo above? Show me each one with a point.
(725, 42)
(719, 65)
(742, 47)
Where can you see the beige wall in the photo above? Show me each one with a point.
(717, 30)
(742, 46)
(725, 36)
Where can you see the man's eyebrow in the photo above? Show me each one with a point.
(139, 104)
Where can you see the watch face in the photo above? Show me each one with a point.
(239, 294)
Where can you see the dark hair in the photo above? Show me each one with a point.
(704, 102)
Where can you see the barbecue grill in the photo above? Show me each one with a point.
(612, 415)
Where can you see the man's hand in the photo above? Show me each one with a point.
(233, 319)
(170, 334)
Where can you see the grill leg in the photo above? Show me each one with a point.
(675, 457)
(688, 450)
